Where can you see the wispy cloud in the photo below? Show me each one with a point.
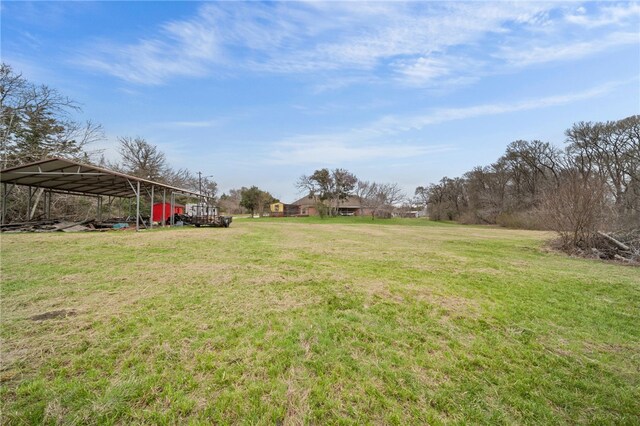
(181, 48)
(395, 124)
(193, 124)
(420, 44)
(332, 153)
(609, 15)
(529, 55)
(365, 143)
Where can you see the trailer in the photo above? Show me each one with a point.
(203, 215)
(214, 221)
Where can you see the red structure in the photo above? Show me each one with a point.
(157, 211)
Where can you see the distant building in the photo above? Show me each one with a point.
(413, 213)
(349, 207)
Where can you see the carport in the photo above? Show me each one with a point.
(63, 176)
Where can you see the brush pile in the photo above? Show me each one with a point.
(623, 246)
(63, 226)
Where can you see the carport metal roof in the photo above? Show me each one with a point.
(70, 177)
(67, 176)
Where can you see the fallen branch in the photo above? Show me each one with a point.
(617, 243)
(84, 222)
(624, 259)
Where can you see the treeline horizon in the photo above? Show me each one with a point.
(590, 185)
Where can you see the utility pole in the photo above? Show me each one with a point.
(202, 198)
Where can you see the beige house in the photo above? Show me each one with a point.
(349, 207)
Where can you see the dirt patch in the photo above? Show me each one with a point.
(62, 313)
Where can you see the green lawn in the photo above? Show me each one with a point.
(315, 321)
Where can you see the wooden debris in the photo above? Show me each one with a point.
(57, 225)
(614, 241)
(69, 227)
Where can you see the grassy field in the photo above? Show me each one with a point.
(315, 321)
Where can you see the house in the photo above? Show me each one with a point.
(306, 206)
(284, 210)
(412, 214)
(349, 207)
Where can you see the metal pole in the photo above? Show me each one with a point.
(49, 205)
(99, 215)
(151, 215)
(200, 201)
(173, 203)
(164, 206)
(29, 206)
(138, 208)
(4, 203)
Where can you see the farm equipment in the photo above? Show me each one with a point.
(211, 220)
(204, 215)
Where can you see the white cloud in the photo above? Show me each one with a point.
(332, 153)
(529, 55)
(413, 43)
(194, 124)
(609, 15)
(182, 48)
(365, 143)
(395, 124)
(437, 71)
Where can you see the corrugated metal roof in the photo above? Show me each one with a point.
(62, 175)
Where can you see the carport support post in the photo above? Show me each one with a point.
(29, 206)
(164, 207)
(151, 215)
(173, 201)
(50, 194)
(138, 208)
(4, 203)
(99, 212)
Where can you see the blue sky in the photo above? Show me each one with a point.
(259, 93)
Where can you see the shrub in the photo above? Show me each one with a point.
(577, 209)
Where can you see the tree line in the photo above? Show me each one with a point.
(36, 122)
(591, 184)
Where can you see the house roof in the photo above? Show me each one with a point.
(67, 176)
(349, 203)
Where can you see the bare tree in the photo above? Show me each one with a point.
(421, 198)
(364, 191)
(610, 151)
(577, 209)
(379, 198)
(140, 158)
(592, 185)
(230, 203)
(532, 165)
(447, 199)
(328, 188)
(35, 122)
